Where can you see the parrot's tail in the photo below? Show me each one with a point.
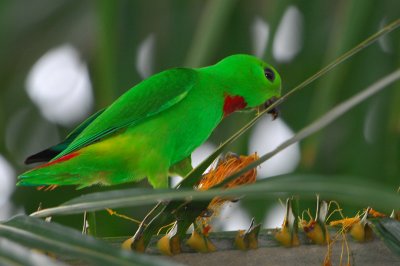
(52, 173)
(42, 177)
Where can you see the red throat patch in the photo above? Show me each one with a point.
(233, 103)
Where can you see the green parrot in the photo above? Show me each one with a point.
(152, 129)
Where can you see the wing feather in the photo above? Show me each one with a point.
(150, 97)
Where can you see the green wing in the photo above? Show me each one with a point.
(146, 99)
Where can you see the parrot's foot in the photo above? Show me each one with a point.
(274, 111)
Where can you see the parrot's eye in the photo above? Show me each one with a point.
(269, 74)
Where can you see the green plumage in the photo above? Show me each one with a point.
(155, 126)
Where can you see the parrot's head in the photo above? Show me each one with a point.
(247, 81)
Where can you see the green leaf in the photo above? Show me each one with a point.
(341, 188)
(389, 230)
(64, 241)
(12, 253)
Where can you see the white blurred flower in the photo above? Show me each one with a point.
(370, 122)
(275, 216)
(288, 37)
(384, 41)
(231, 217)
(265, 137)
(7, 180)
(8, 210)
(145, 57)
(202, 152)
(59, 85)
(260, 34)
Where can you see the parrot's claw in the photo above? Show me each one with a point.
(274, 111)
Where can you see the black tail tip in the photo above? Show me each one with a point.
(43, 156)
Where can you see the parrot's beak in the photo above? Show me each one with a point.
(274, 111)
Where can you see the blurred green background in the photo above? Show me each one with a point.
(61, 60)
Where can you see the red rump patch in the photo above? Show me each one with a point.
(60, 160)
(233, 103)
